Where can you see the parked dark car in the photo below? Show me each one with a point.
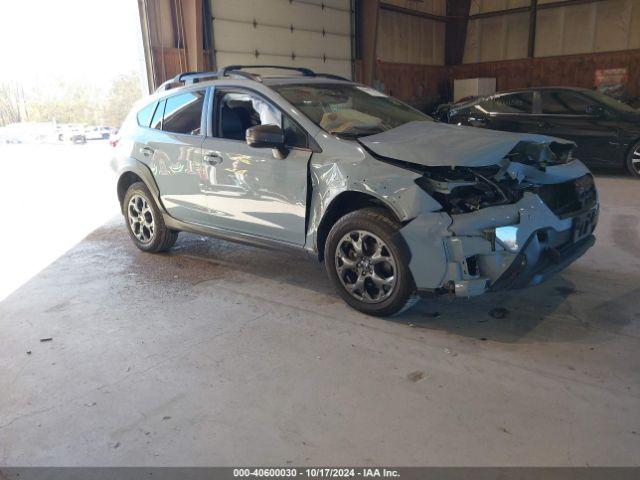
(606, 131)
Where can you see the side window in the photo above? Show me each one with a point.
(511, 103)
(183, 113)
(156, 121)
(144, 115)
(294, 136)
(559, 102)
(239, 111)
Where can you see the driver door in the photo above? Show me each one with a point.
(249, 190)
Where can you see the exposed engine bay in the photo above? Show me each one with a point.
(468, 189)
(497, 210)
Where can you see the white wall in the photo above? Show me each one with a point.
(237, 39)
(410, 39)
(608, 25)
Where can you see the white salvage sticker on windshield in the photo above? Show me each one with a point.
(371, 91)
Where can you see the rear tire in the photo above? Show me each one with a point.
(145, 223)
(367, 260)
(633, 160)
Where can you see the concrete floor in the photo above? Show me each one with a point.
(220, 354)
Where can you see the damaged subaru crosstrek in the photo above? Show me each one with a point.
(395, 204)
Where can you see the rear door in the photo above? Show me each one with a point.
(249, 190)
(564, 114)
(175, 155)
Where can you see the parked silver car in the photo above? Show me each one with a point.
(396, 205)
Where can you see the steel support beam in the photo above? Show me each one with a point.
(369, 17)
(533, 16)
(456, 31)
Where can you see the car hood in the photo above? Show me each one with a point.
(439, 144)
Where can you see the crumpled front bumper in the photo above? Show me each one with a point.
(535, 263)
(496, 248)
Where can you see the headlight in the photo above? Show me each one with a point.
(464, 190)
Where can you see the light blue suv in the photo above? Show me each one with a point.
(395, 204)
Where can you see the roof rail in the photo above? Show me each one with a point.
(188, 78)
(306, 72)
(332, 76)
(185, 78)
(193, 77)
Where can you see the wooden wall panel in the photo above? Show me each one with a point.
(169, 63)
(420, 85)
(427, 85)
(568, 70)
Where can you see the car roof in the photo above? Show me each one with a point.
(268, 82)
(245, 75)
(482, 98)
(300, 80)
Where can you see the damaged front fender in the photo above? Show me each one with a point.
(339, 175)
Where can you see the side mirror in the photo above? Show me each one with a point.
(265, 136)
(595, 110)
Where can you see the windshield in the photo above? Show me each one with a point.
(610, 101)
(349, 110)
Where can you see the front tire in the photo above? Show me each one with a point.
(367, 260)
(145, 223)
(633, 160)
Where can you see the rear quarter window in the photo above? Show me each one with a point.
(144, 115)
(156, 121)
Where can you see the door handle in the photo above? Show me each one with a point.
(543, 125)
(212, 158)
(147, 151)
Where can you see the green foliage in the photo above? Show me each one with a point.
(10, 96)
(82, 103)
(66, 103)
(123, 93)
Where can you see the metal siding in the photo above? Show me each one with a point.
(301, 33)
(410, 39)
(566, 30)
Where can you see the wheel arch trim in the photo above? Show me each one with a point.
(339, 205)
(142, 171)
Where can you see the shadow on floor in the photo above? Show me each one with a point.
(575, 306)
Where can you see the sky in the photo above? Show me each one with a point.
(85, 40)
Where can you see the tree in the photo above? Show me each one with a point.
(70, 102)
(123, 93)
(10, 99)
(65, 103)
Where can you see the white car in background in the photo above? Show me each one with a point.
(97, 133)
(72, 133)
